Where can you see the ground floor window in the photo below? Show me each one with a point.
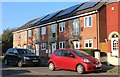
(43, 46)
(88, 43)
(62, 44)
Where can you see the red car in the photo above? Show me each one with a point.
(71, 59)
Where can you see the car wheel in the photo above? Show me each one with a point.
(51, 66)
(80, 69)
(6, 62)
(20, 63)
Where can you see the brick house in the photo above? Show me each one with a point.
(83, 26)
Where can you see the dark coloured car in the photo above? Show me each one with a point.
(21, 57)
(71, 59)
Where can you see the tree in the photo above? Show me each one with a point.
(7, 39)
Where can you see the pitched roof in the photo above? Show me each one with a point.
(76, 12)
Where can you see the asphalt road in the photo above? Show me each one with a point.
(43, 70)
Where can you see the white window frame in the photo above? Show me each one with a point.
(88, 41)
(25, 36)
(43, 30)
(86, 22)
(37, 33)
(76, 29)
(62, 26)
(54, 28)
(29, 33)
(43, 46)
(19, 36)
(63, 42)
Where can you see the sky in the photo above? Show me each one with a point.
(16, 14)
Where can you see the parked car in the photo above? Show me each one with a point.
(71, 59)
(21, 57)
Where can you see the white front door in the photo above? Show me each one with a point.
(53, 47)
(37, 49)
(115, 46)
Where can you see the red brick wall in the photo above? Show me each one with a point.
(102, 25)
(112, 20)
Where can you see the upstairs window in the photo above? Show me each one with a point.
(29, 33)
(53, 30)
(43, 46)
(61, 26)
(37, 33)
(25, 36)
(88, 43)
(19, 36)
(76, 26)
(43, 30)
(88, 21)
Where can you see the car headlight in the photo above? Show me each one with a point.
(86, 60)
(26, 58)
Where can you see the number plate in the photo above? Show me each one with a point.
(35, 60)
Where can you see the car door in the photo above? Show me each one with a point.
(58, 58)
(69, 60)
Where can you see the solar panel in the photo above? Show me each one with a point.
(88, 4)
(50, 16)
(69, 10)
(35, 21)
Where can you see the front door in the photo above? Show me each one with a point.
(37, 49)
(53, 47)
(115, 46)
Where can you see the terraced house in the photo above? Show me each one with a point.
(88, 25)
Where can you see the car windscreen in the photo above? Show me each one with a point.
(24, 51)
(80, 53)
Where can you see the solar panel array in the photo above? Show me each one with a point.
(37, 20)
(88, 5)
(69, 10)
(50, 16)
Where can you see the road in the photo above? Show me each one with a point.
(43, 70)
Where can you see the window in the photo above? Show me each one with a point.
(29, 33)
(88, 43)
(88, 21)
(76, 26)
(43, 46)
(66, 53)
(58, 53)
(25, 36)
(53, 28)
(37, 33)
(61, 26)
(76, 44)
(43, 30)
(61, 44)
(19, 36)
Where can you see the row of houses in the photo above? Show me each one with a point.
(88, 25)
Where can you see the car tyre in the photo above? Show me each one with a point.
(20, 63)
(80, 69)
(6, 62)
(51, 66)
